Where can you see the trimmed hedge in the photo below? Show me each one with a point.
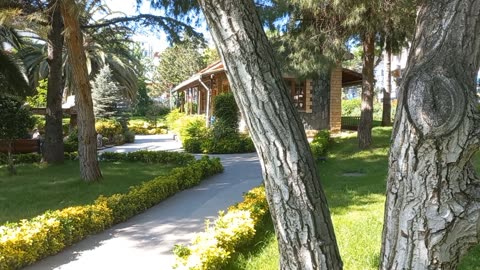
(32, 158)
(149, 157)
(213, 249)
(27, 241)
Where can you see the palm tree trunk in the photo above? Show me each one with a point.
(297, 203)
(366, 116)
(87, 144)
(432, 211)
(53, 145)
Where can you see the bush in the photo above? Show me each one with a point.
(214, 248)
(108, 128)
(70, 143)
(320, 143)
(118, 139)
(150, 157)
(32, 158)
(226, 111)
(129, 136)
(30, 240)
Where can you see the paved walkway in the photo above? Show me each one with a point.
(145, 241)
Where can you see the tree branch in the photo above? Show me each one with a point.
(136, 18)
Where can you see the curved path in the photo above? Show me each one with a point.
(146, 240)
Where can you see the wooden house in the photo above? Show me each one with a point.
(319, 106)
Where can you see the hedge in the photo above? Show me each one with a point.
(28, 241)
(213, 249)
(32, 157)
(320, 143)
(149, 157)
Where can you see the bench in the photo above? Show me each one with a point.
(21, 146)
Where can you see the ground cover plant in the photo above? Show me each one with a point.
(354, 183)
(41, 187)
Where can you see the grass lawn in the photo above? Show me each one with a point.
(354, 182)
(39, 187)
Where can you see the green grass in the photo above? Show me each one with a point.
(39, 187)
(356, 204)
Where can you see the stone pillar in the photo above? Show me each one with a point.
(336, 99)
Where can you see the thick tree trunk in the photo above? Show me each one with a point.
(432, 212)
(366, 116)
(387, 104)
(297, 202)
(53, 145)
(87, 143)
(319, 117)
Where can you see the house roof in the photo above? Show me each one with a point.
(349, 77)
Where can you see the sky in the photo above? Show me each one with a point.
(158, 41)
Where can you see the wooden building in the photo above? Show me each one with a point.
(319, 105)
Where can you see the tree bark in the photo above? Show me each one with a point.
(297, 203)
(87, 145)
(387, 104)
(432, 212)
(366, 116)
(319, 117)
(53, 144)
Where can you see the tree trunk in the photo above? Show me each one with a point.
(366, 116)
(87, 143)
(387, 104)
(297, 203)
(319, 117)
(432, 212)
(53, 144)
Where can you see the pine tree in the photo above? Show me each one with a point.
(106, 95)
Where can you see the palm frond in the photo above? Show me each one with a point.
(13, 80)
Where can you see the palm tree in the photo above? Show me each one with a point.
(13, 80)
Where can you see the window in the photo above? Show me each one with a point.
(298, 93)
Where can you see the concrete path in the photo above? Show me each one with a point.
(145, 241)
(162, 142)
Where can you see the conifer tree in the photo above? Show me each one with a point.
(106, 94)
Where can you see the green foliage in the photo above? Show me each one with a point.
(31, 158)
(162, 157)
(352, 107)
(70, 144)
(213, 249)
(178, 63)
(40, 98)
(13, 80)
(210, 56)
(320, 143)
(156, 111)
(142, 127)
(226, 111)
(143, 100)
(16, 119)
(129, 136)
(108, 128)
(30, 240)
(108, 100)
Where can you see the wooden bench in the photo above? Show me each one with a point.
(21, 146)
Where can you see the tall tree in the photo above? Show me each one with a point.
(399, 25)
(87, 148)
(53, 145)
(432, 211)
(297, 202)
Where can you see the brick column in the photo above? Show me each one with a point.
(336, 99)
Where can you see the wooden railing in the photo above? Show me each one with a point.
(350, 122)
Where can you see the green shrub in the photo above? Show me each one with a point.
(320, 143)
(163, 157)
(214, 248)
(25, 242)
(226, 111)
(118, 139)
(172, 118)
(70, 143)
(129, 136)
(108, 128)
(32, 158)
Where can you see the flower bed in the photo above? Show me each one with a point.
(235, 229)
(27, 241)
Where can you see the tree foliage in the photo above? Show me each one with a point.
(179, 62)
(108, 100)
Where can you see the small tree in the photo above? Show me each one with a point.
(40, 98)
(16, 121)
(106, 94)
